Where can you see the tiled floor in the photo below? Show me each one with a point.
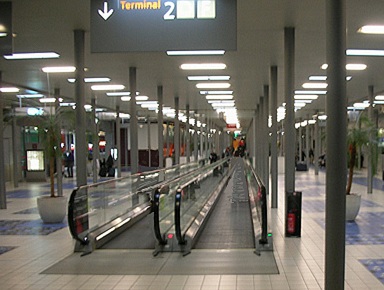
(27, 247)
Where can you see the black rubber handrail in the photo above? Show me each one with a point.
(179, 236)
(71, 219)
(156, 217)
(263, 205)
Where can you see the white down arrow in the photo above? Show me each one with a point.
(105, 14)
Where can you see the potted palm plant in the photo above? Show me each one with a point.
(358, 136)
(52, 208)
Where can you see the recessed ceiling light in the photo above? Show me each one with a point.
(92, 80)
(219, 97)
(9, 90)
(350, 66)
(315, 85)
(372, 29)
(365, 52)
(120, 94)
(216, 92)
(202, 66)
(356, 66)
(47, 100)
(58, 69)
(32, 55)
(213, 85)
(317, 78)
(306, 97)
(107, 87)
(310, 92)
(208, 78)
(195, 52)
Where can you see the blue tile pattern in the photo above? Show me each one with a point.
(367, 229)
(4, 249)
(376, 267)
(319, 205)
(28, 227)
(25, 193)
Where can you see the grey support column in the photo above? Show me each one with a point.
(133, 122)
(3, 197)
(254, 123)
(202, 138)
(371, 144)
(266, 137)
(177, 132)
(96, 149)
(160, 127)
(300, 140)
(118, 140)
(81, 142)
(307, 142)
(188, 136)
(149, 140)
(336, 130)
(15, 152)
(317, 146)
(273, 106)
(59, 171)
(167, 138)
(195, 140)
(289, 128)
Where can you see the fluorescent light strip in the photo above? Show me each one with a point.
(107, 87)
(119, 94)
(371, 29)
(195, 52)
(365, 52)
(379, 98)
(324, 78)
(202, 66)
(315, 85)
(47, 100)
(208, 78)
(9, 90)
(216, 92)
(92, 80)
(310, 92)
(219, 97)
(317, 78)
(350, 66)
(213, 85)
(58, 69)
(305, 97)
(3, 34)
(31, 55)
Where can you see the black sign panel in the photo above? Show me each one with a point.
(123, 26)
(5, 28)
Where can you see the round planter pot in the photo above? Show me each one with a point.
(52, 209)
(352, 206)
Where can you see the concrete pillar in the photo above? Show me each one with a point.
(80, 137)
(160, 127)
(273, 109)
(289, 128)
(336, 131)
(177, 132)
(133, 123)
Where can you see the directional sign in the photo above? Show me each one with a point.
(143, 25)
(5, 28)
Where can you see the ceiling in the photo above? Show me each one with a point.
(48, 25)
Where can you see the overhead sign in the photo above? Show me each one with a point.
(123, 26)
(5, 28)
